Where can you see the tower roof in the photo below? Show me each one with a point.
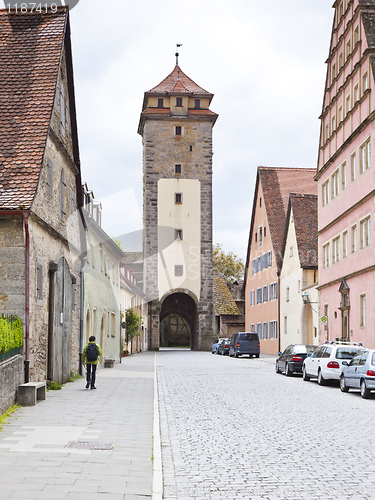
(178, 82)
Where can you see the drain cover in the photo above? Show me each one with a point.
(89, 445)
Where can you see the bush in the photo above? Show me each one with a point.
(11, 334)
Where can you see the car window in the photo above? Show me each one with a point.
(347, 352)
(288, 350)
(318, 352)
(373, 358)
(363, 359)
(355, 360)
(327, 352)
(248, 336)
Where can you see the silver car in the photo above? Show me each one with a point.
(359, 373)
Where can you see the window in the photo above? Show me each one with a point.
(291, 251)
(340, 113)
(287, 294)
(343, 176)
(333, 123)
(178, 235)
(265, 293)
(260, 236)
(335, 249)
(326, 255)
(325, 193)
(62, 195)
(327, 131)
(39, 281)
(365, 232)
(160, 102)
(259, 296)
(259, 330)
(197, 103)
(50, 178)
(353, 166)
(273, 291)
(265, 330)
(178, 270)
(365, 156)
(341, 60)
(285, 325)
(362, 309)
(62, 109)
(348, 103)
(178, 198)
(364, 82)
(354, 238)
(348, 48)
(273, 330)
(355, 93)
(335, 184)
(356, 35)
(179, 102)
(344, 244)
(177, 169)
(252, 297)
(334, 72)
(178, 131)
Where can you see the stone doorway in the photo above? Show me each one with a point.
(178, 321)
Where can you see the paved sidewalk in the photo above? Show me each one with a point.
(47, 451)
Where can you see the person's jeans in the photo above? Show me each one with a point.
(91, 373)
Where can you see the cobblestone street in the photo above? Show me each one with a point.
(233, 428)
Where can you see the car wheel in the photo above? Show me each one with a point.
(365, 393)
(321, 379)
(277, 367)
(288, 371)
(305, 377)
(257, 355)
(343, 386)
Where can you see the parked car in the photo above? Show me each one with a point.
(359, 373)
(215, 347)
(326, 361)
(244, 343)
(290, 361)
(223, 346)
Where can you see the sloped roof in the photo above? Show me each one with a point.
(31, 47)
(222, 298)
(277, 183)
(305, 215)
(178, 82)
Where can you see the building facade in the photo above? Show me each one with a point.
(40, 197)
(176, 128)
(346, 179)
(299, 317)
(264, 254)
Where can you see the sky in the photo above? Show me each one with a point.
(264, 61)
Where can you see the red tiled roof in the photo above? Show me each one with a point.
(31, 46)
(305, 215)
(178, 82)
(277, 183)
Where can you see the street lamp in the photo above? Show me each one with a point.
(305, 298)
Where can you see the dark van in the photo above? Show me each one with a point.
(244, 343)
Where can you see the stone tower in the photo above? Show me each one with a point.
(176, 128)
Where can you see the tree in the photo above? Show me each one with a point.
(133, 322)
(229, 265)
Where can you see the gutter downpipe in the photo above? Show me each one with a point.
(25, 216)
(82, 273)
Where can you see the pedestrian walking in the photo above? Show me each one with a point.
(90, 357)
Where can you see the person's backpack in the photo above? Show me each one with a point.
(92, 352)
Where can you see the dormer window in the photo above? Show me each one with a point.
(178, 102)
(197, 103)
(160, 102)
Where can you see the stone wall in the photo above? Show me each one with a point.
(11, 376)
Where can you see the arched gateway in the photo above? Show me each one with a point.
(176, 128)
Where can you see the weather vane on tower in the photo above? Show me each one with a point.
(177, 54)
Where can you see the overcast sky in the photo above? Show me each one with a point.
(263, 60)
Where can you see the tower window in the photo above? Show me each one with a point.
(160, 102)
(177, 169)
(179, 235)
(178, 270)
(178, 130)
(179, 102)
(178, 198)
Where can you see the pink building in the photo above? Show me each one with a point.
(345, 178)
